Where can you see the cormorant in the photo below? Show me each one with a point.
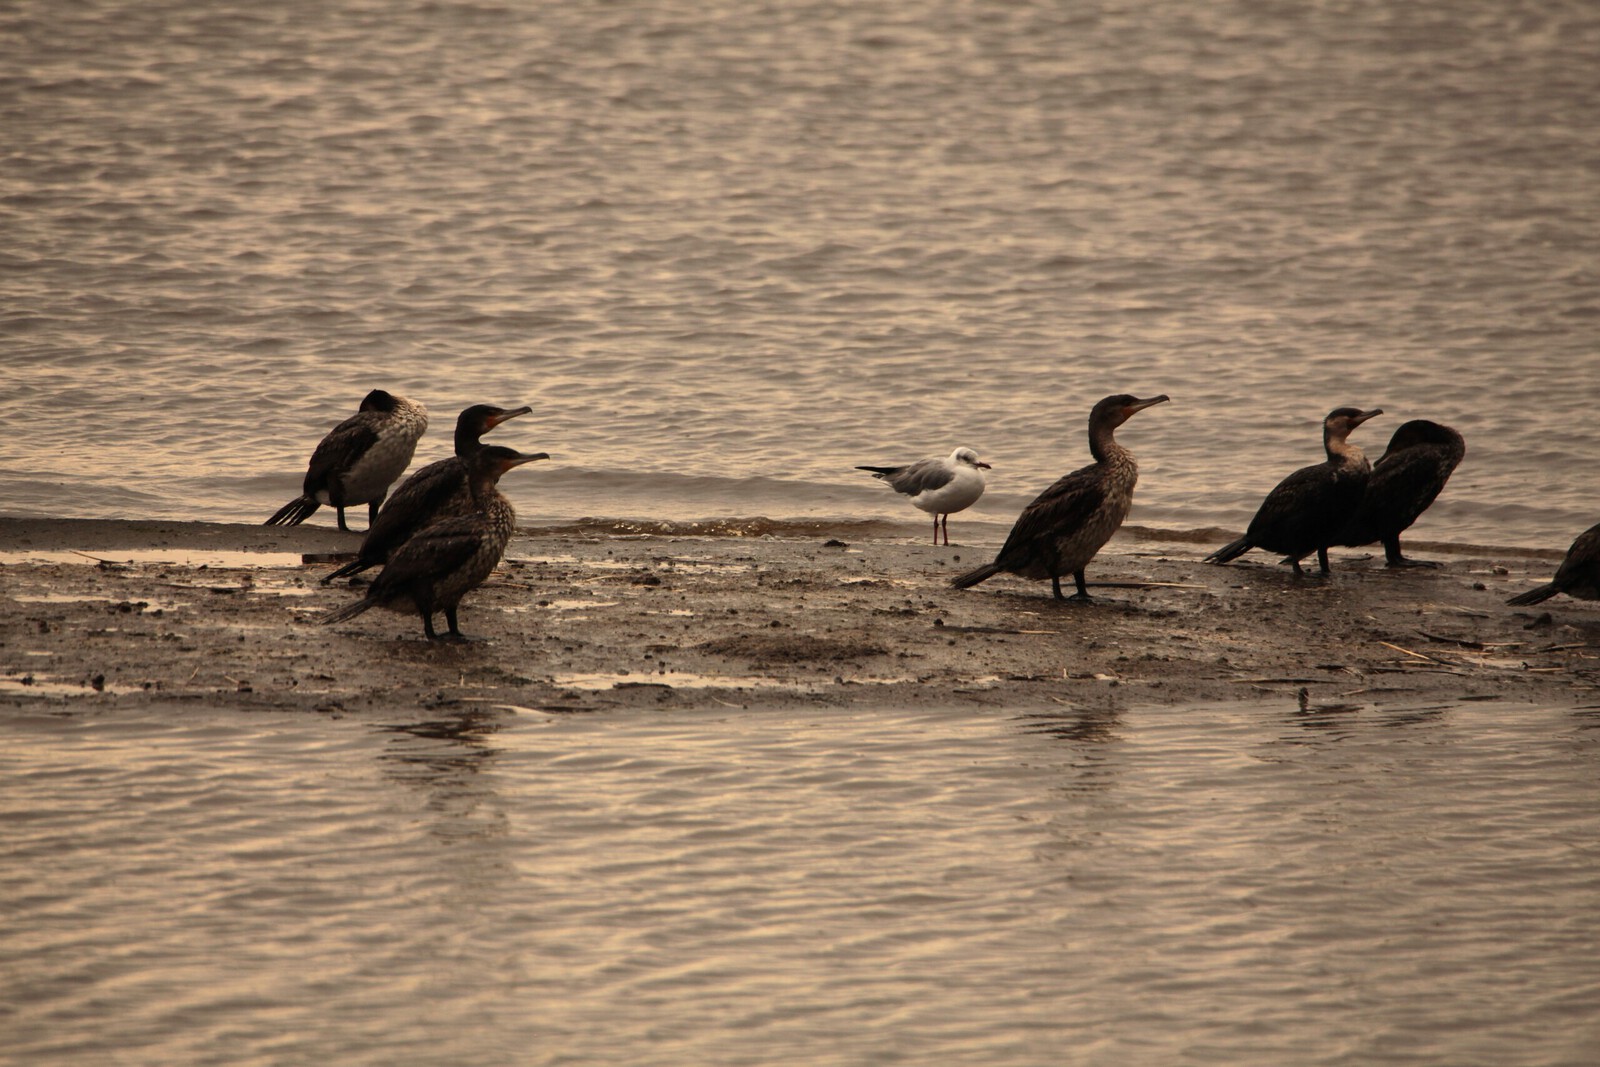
(359, 459)
(1578, 575)
(1060, 532)
(1306, 511)
(1405, 481)
(444, 561)
(437, 491)
(938, 486)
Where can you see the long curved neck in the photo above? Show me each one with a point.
(1103, 446)
(468, 439)
(1341, 451)
(482, 485)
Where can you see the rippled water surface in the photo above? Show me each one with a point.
(1230, 885)
(728, 251)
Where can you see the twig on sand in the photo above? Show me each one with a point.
(1418, 655)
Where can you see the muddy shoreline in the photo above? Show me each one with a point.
(104, 614)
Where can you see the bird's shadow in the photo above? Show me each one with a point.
(1096, 605)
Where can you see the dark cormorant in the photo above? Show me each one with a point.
(1060, 532)
(1578, 575)
(444, 561)
(359, 459)
(435, 492)
(1306, 511)
(1404, 482)
(938, 486)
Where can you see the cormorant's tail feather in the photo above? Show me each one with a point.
(976, 575)
(1535, 596)
(349, 611)
(355, 566)
(294, 512)
(1231, 550)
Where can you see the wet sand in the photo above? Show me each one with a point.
(103, 614)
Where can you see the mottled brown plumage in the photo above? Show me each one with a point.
(1067, 524)
(437, 491)
(358, 459)
(443, 562)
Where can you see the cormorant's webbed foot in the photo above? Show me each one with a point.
(1393, 557)
(1402, 561)
(1081, 595)
(455, 633)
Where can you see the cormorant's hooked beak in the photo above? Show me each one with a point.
(495, 420)
(1140, 405)
(508, 462)
(1364, 416)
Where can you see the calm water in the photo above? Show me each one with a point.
(1229, 885)
(729, 250)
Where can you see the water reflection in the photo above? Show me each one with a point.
(1321, 716)
(1083, 725)
(1093, 737)
(1424, 716)
(449, 760)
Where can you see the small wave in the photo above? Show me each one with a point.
(753, 526)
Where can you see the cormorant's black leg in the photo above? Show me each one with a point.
(1393, 558)
(427, 625)
(1083, 587)
(1055, 586)
(340, 509)
(1322, 559)
(455, 630)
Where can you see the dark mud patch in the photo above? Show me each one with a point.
(775, 648)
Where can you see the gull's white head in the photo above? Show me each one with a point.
(966, 457)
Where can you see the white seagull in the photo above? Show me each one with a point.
(938, 486)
